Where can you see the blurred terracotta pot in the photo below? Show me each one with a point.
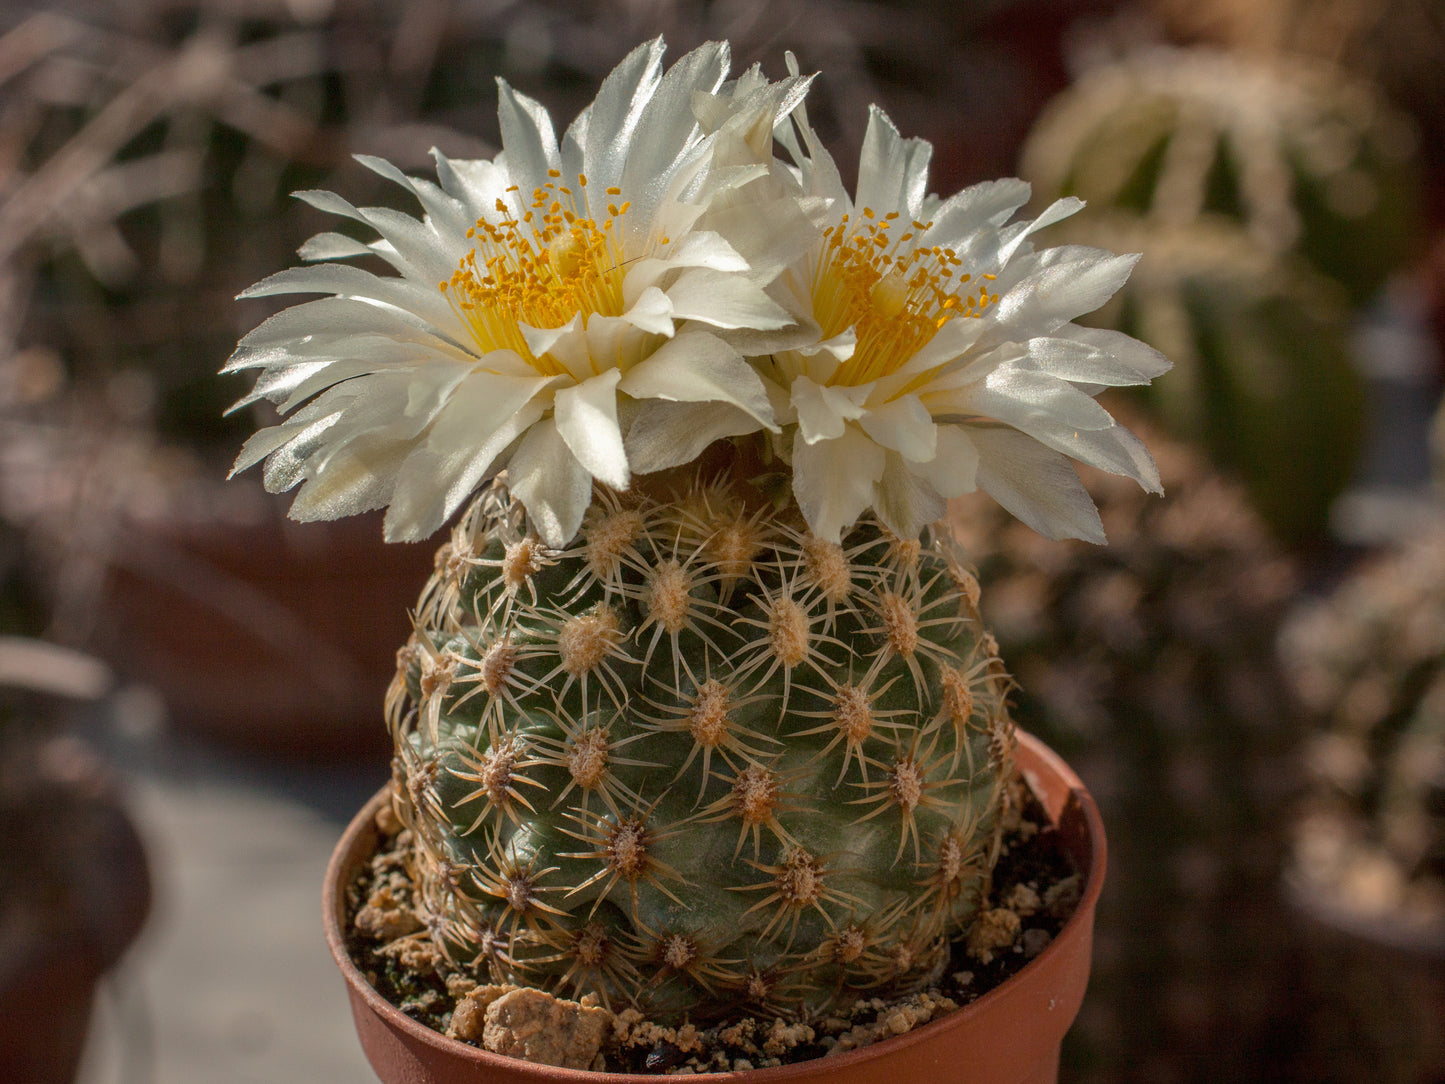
(77, 895)
(266, 635)
(1011, 1035)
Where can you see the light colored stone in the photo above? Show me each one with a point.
(537, 1027)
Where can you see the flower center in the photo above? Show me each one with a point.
(541, 270)
(894, 295)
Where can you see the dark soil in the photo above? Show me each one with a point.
(1035, 880)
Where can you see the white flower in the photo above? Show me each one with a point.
(946, 358)
(547, 303)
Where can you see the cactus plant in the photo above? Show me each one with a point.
(1150, 664)
(1369, 662)
(1367, 868)
(1303, 158)
(699, 752)
(698, 709)
(1273, 199)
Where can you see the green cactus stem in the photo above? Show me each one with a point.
(699, 757)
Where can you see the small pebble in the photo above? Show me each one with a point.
(1035, 941)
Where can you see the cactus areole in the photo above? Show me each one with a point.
(698, 711)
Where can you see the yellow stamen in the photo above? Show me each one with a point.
(552, 264)
(895, 297)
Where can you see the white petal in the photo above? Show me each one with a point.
(356, 480)
(892, 171)
(476, 185)
(699, 248)
(651, 312)
(586, 418)
(482, 418)
(613, 116)
(667, 434)
(833, 480)
(903, 426)
(330, 318)
(987, 204)
(769, 234)
(528, 139)
(667, 125)
(449, 215)
(278, 381)
(345, 281)
(699, 367)
(1036, 484)
(266, 441)
(553, 487)
(904, 500)
(1080, 363)
(1115, 450)
(1059, 284)
(327, 375)
(1037, 402)
(332, 246)
(613, 342)
(954, 470)
(412, 247)
(723, 300)
(1128, 353)
(543, 340)
(823, 411)
(1057, 211)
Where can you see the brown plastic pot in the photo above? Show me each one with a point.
(1011, 1035)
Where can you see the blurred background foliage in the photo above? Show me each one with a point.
(1281, 165)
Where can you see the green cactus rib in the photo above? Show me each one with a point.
(699, 758)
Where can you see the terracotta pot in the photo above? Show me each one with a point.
(262, 635)
(1009, 1036)
(82, 899)
(1369, 992)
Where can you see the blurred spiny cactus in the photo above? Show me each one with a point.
(1368, 864)
(1304, 159)
(698, 757)
(1271, 199)
(1369, 662)
(1149, 664)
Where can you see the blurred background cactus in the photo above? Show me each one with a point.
(1150, 664)
(1367, 868)
(1273, 199)
(1369, 662)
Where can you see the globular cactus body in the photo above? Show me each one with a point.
(699, 756)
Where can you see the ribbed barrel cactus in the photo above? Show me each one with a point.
(698, 710)
(699, 753)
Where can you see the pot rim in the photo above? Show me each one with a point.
(1038, 764)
